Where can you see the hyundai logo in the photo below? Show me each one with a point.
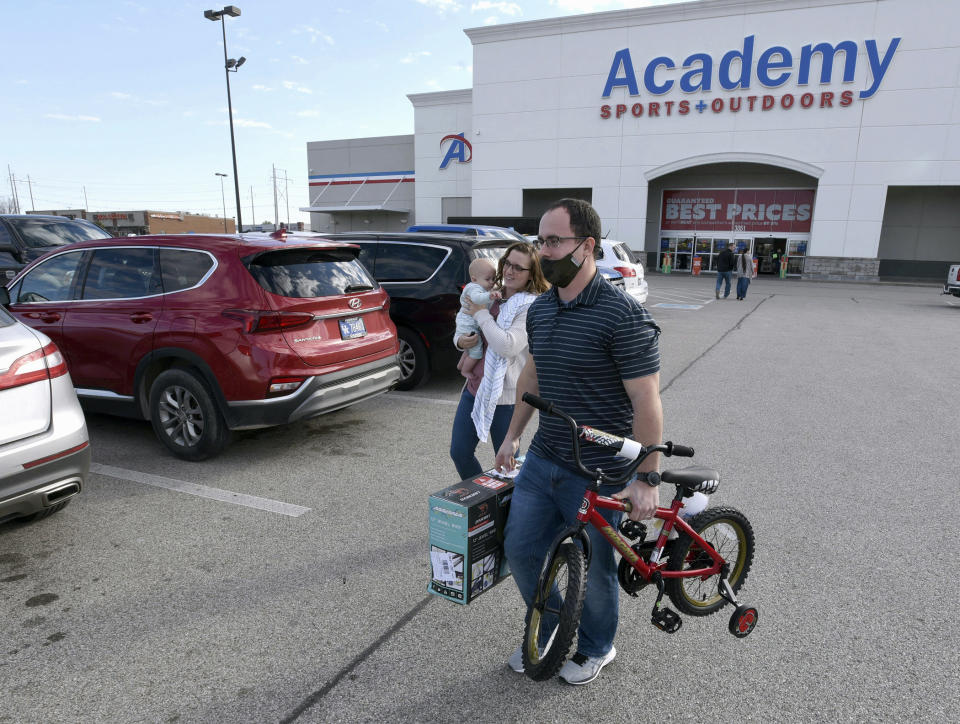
(355, 303)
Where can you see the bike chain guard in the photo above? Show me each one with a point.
(663, 617)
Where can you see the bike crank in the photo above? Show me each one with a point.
(663, 617)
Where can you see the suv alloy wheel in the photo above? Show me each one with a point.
(414, 363)
(185, 417)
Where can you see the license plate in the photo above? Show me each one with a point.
(352, 328)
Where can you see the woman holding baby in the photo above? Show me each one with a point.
(487, 399)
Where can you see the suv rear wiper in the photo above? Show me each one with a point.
(357, 288)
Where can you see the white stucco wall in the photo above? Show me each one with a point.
(437, 115)
(538, 89)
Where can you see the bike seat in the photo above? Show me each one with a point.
(696, 479)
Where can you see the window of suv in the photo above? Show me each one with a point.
(40, 233)
(50, 281)
(403, 262)
(307, 273)
(182, 269)
(122, 273)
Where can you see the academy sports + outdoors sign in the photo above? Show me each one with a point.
(773, 68)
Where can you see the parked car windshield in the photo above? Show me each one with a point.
(39, 233)
(306, 273)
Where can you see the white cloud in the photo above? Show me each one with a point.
(501, 7)
(492, 20)
(247, 123)
(137, 100)
(315, 34)
(65, 117)
(291, 85)
(309, 114)
(299, 61)
(441, 6)
(265, 89)
(414, 56)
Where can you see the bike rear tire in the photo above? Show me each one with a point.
(731, 534)
(567, 572)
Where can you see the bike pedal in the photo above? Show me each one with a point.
(666, 619)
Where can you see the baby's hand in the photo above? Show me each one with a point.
(495, 296)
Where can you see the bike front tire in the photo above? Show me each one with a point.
(557, 618)
(730, 533)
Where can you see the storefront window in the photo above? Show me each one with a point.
(684, 253)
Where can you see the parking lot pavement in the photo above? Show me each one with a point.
(829, 409)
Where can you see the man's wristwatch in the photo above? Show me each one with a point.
(651, 478)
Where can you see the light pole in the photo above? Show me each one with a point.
(229, 64)
(222, 177)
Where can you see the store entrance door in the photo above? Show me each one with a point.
(768, 252)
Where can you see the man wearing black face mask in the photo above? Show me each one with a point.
(594, 351)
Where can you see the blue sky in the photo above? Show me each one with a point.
(127, 98)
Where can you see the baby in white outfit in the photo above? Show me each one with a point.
(482, 273)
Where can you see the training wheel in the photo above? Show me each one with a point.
(743, 621)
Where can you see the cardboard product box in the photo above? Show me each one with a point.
(467, 523)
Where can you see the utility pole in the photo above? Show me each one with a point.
(276, 214)
(13, 191)
(286, 195)
(253, 216)
(30, 186)
(86, 204)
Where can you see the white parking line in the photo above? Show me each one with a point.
(204, 491)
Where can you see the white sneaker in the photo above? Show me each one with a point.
(515, 661)
(583, 669)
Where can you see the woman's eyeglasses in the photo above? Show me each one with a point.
(508, 266)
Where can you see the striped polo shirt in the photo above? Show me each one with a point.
(583, 350)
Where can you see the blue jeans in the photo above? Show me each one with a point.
(724, 277)
(464, 440)
(546, 498)
(742, 284)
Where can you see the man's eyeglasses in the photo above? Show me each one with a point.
(554, 242)
(507, 266)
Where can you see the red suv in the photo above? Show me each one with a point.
(206, 334)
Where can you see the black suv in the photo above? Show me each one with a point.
(24, 237)
(424, 274)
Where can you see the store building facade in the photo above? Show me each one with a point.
(820, 134)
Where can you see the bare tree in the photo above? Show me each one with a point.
(6, 205)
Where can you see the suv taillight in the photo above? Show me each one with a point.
(258, 320)
(627, 271)
(41, 364)
(958, 273)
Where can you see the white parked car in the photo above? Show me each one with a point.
(44, 448)
(952, 285)
(619, 257)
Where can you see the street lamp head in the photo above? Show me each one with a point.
(217, 173)
(232, 10)
(231, 63)
(212, 14)
(240, 61)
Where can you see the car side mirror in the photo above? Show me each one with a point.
(4, 297)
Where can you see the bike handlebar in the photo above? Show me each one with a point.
(624, 447)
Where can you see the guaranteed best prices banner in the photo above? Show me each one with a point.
(733, 210)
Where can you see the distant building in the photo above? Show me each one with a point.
(122, 223)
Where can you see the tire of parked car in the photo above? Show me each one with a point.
(414, 363)
(185, 416)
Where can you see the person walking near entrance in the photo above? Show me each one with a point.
(725, 264)
(744, 272)
(595, 352)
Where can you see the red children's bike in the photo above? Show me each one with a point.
(700, 570)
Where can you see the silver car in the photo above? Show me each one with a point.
(44, 448)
